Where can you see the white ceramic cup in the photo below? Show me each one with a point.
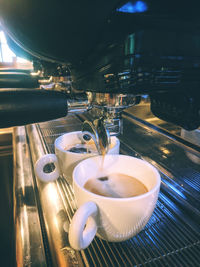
(64, 160)
(112, 219)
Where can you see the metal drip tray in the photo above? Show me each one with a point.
(171, 237)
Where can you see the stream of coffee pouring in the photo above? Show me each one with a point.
(98, 132)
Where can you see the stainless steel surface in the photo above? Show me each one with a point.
(118, 101)
(29, 244)
(172, 236)
(55, 212)
(78, 104)
(143, 112)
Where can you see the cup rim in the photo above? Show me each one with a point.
(125, 199)
(57, 146)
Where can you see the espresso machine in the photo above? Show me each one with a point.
(94, 61)
(114, 52)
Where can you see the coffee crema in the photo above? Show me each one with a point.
(81, 148)
(85, 148)
(116, 185)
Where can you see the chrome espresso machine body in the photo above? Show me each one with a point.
(103, 60)
(129, 48)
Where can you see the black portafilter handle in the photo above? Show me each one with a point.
(24, 106)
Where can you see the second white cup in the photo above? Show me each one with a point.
(65, 160)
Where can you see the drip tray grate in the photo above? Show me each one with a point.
(165, 241)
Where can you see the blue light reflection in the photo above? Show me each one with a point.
(133, 7)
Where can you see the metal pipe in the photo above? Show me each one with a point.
(56, 219)
(28, 237)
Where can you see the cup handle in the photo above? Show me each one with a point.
(83, 227)
(40, 164)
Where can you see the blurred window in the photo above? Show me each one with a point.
(6, 54)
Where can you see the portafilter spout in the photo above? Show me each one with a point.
(98, 132)
(110, 107)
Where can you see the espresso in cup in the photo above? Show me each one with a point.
(116, 185)
(84, 148)
(81, 148)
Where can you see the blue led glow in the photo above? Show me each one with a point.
(133, 7)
